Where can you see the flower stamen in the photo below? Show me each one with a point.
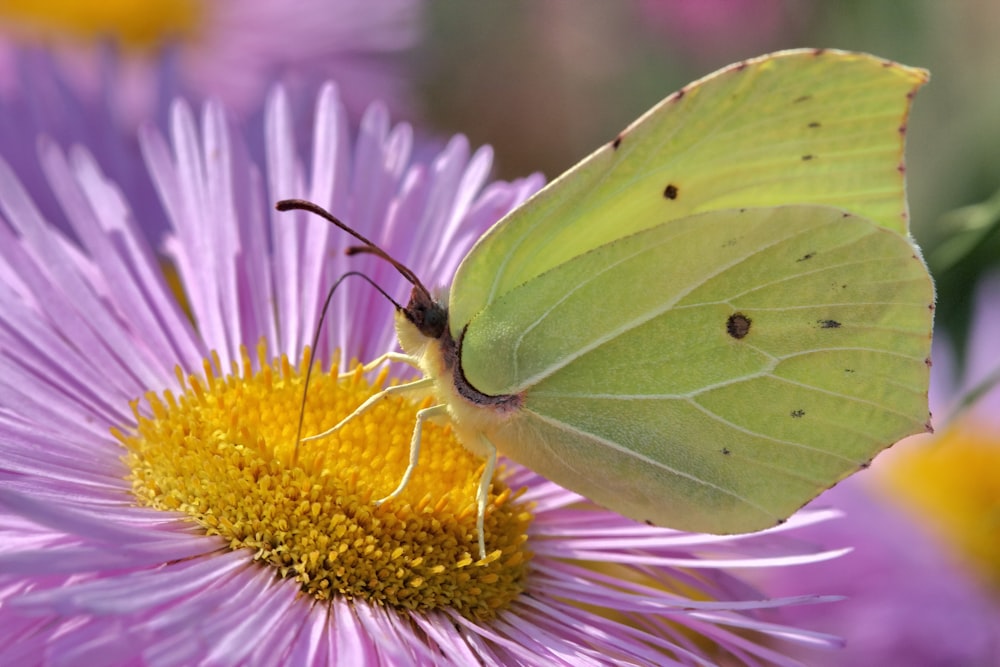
(222, 450)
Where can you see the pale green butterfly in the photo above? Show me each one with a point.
(708, 321)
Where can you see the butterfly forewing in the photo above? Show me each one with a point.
(817, 127)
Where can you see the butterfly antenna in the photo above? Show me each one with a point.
(315, 344)
(369, 247)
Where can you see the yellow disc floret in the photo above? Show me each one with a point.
(224, 452)
(134, 24)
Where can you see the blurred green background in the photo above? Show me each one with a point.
(545, 82)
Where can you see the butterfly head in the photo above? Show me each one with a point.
(428, 315)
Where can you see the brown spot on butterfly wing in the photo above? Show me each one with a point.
(738, 325)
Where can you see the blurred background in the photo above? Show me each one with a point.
(545, 82)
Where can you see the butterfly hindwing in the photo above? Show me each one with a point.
(713, 373)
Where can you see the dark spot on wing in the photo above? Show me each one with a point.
(798, 414)
(819, 51)
(617, 142)
(806, 158)
(738, 325)
(808, 255)
(848, 370)
(828, 324)
(649, 523)
(670, 192)
(802, 98)
(866, 464)
(814, 124)
(725, 451)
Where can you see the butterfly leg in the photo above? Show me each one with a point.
(483, 497)
(388, 357)
(372, 400)
(418, 428)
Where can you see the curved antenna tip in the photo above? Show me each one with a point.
(369, 247)
(289, 204)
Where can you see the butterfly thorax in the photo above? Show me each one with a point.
(424, 333)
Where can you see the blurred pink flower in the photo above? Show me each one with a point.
(908, 600)
(226, 49)
(45, 109)
(719, 29)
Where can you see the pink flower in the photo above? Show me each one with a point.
(711, 28)
(226, 49)
(108, 556)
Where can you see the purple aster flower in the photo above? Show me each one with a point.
(155, 507)
(226, 49)
(908, 601)
(45, 104)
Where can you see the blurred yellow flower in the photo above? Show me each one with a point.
(134, 24)
(953, 485)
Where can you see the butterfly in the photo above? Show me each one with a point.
(708, 321)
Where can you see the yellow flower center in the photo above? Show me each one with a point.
(135, 24)
(223, 450)
(954, 483)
